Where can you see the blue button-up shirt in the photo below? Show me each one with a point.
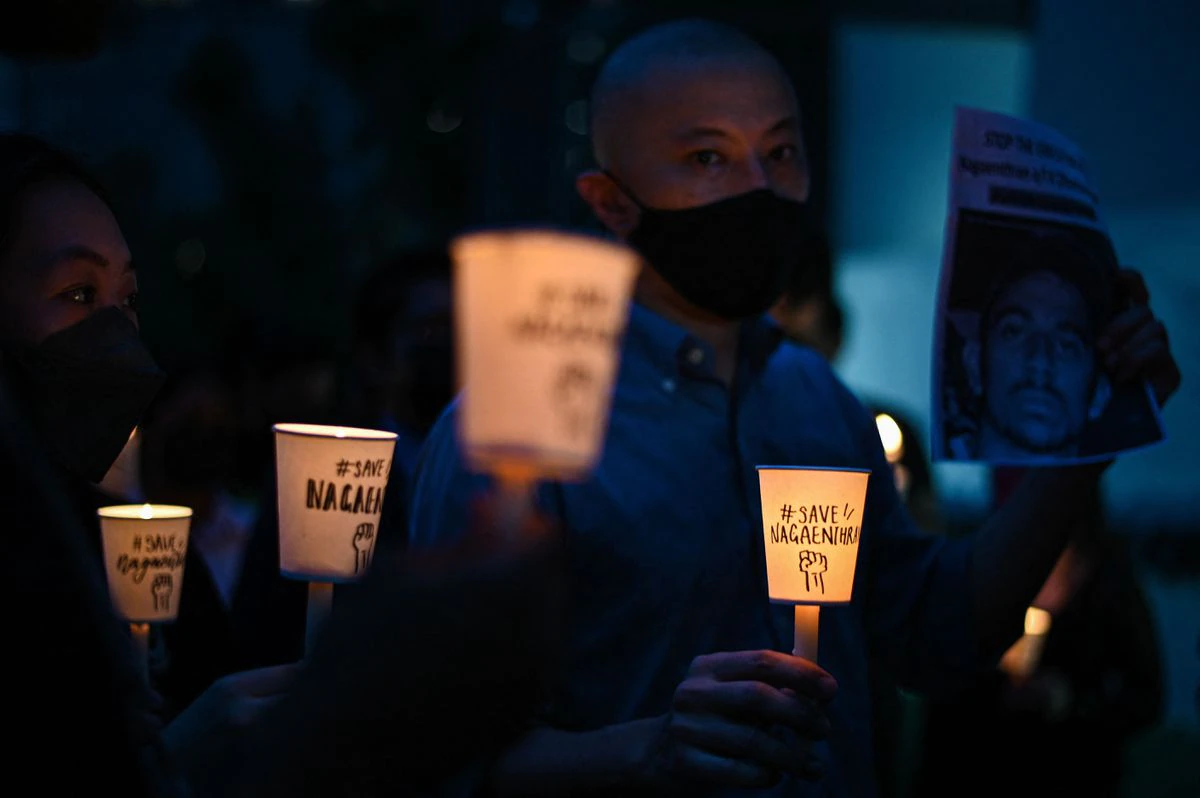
(665, 541)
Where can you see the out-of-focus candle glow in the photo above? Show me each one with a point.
(539, 314)
(1037, 621)
(891, 436)
(145, 512)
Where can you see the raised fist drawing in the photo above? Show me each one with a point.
(814, 564)
(161, 589)
(574, 397)
(364, 547)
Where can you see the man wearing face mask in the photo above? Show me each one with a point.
(676, 678)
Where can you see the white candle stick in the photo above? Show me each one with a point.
(320, 602)
(805, 641)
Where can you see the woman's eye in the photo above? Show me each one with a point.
(81, 294)
(706, 157)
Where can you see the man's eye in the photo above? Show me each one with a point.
(706, 157)
(1010, 331)
(1070, 346)
(785, 152)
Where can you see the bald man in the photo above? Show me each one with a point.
(675, 677)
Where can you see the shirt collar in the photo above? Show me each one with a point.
(672, 349)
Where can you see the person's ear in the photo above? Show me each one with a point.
(1100, 397)
(612, 206)
(971, 365)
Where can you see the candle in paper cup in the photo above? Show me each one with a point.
(812, 523)
(539, 315)
(331, 483)
(145, 546)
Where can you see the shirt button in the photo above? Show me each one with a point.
(695, 356)
(668, 385)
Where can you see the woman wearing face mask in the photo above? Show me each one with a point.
(78, 371)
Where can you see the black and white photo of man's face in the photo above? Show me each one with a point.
(1035, 370)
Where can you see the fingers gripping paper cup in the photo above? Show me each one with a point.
(539, 318)
(144, 550)
(331, 482)
(812, 522)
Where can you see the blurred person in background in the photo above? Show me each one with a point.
(400, 377)
(189, 451)
(1057, 715)
(402, 353)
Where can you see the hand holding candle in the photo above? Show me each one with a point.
(717, 730)
(812, 521)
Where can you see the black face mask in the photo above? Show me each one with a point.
(84, 389)
(731, 258)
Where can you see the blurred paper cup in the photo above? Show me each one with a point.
(145, 546)
(812, 522)
(331, 484)
(539, 317)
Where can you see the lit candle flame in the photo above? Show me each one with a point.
(147, 511)
(341, 433)
(1037, 621)
(891, 436)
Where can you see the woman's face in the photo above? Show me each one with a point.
(67, 260)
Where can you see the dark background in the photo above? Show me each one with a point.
(264, 155)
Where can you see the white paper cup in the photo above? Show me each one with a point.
(812, 524)
(145, 546)
(539, 316)
(331, 483)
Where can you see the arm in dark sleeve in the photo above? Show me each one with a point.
(75, 679)
(443, 490)
(917, 605)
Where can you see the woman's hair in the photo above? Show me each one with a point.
(26, 161)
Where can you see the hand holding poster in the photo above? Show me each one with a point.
(1029, 284)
